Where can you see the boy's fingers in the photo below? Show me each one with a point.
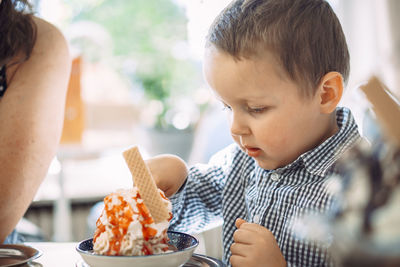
(243, 237)
(237, 260)
(239, 222)
(238, 249)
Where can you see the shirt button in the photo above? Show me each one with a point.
(275, 177)
(256, 218)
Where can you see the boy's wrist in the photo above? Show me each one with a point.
(182, 186)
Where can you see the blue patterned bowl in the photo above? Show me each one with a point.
(185, 244)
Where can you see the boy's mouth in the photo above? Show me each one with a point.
(252, 151)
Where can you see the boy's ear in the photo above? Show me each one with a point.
(330, 91)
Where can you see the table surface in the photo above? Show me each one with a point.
(63, 254)
(58, 254)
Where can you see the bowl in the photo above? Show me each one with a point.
(185, 244)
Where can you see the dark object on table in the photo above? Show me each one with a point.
(16, 255)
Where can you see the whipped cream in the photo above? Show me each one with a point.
(125, 226)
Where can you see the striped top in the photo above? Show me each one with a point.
(232, 185)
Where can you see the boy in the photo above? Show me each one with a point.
(278, 66)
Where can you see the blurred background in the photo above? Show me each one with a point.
(137, 80)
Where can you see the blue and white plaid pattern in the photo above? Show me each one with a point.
(233, 186)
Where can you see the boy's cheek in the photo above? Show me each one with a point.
(236, 139)
(274, 143)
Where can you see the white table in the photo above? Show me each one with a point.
(62, 254)
(58, 254)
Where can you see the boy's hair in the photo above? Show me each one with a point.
(305, 35)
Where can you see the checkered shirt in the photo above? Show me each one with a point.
(233, 186)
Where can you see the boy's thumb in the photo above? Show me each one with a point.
(239, 222)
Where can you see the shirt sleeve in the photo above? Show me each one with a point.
(198, 203)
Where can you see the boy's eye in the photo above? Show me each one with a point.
(256, 110)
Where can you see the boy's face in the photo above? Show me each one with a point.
(269, 119)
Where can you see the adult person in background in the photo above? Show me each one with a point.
(34, 72)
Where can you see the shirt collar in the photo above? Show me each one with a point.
(318, 160)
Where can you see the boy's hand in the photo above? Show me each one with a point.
(254, 245)
(169, 172)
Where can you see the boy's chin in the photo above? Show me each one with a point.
(267, 164)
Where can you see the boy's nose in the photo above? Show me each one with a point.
(239, 125)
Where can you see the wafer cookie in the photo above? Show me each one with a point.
(147, 187)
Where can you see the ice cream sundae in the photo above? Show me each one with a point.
(134, 221)
(126, 227)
